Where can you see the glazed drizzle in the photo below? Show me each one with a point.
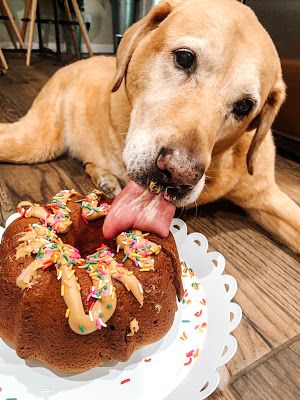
(101, 266)
(55, 215)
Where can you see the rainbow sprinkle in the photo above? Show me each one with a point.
(138, 249)
(125, 381)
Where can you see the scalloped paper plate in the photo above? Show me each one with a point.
(182, 365)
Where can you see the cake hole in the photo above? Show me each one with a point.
(155, 322)
(20, 265)
(127, 330)
(112, 327)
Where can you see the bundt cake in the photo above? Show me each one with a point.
(70, 298)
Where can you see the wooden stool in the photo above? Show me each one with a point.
(3, 61)
(72, 28)
(30, 14)
(7, 16)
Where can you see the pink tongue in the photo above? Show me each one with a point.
(136, 208)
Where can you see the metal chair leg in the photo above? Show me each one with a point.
(72, 29)
(82, 27)
(56, 26)
(39, 28)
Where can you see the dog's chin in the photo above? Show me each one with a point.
(189, 200)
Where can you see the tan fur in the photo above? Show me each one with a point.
(155, 105)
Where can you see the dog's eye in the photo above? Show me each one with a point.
(242, 108)
(184, 59)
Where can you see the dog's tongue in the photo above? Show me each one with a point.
(136, 208)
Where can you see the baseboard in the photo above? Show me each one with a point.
(97, 48)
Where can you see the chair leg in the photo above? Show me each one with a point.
(31, 30)
(25, 16)
(8, 26)
(3, 60)
(13, 22)
(39, 28)
(56, 28)
(72, 29)
(82, 27)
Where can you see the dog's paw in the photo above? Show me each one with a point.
(110, 185)
(103, 179)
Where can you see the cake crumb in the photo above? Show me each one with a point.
(158, 307)
(134, 327)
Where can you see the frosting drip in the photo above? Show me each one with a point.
(100, 266)
(138, 249)
(92, 208)
(55, 214)
(134, 327)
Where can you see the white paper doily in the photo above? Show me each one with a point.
(167, 369)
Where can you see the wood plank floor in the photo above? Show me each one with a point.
(266, 365)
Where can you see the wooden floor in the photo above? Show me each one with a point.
(266, 365)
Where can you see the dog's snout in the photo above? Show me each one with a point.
(177, 167)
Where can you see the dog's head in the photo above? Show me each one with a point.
(198, 75)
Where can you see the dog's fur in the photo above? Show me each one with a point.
(154, 104)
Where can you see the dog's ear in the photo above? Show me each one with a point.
(132, 37)
(265, 120)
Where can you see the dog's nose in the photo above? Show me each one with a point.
(177, 167)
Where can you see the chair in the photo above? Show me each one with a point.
(10, 22)
(31, 15)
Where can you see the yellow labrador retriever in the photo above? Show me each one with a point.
(190, 99)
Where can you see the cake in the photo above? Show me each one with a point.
(70, 298)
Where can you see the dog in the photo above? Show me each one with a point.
(188, 104)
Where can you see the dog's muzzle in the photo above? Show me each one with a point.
(176, 172)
